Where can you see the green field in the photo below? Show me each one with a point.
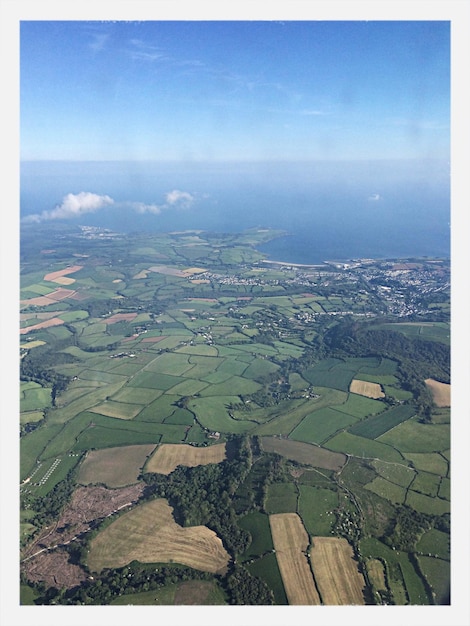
(257, 524)
(362, 447)
(281, 498)
(316, 508)
(374, 427)
(412, 436)
(320, 425)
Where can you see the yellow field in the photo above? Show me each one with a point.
(363, 388)
(336, 574)
(290, 542)
(375, 569)
(149, 534)
(440, 392)
(114, 467)
(120, 410)
(168, 456)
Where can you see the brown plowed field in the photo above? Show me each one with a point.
(337, 576)
(121, 317)
(168, 456)
(290, 542)
(149, 534)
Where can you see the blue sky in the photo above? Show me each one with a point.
(234, 90)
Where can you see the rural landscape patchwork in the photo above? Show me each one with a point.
(201, 426)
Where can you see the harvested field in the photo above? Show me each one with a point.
(304, 453)
(114, 467)
(149, 534)
(55, 321)
(60, 294)
(338, 579)
(153, 339)
(290, 542)
(440, 392)
(168, 456)
(363, 388)
(53, 276)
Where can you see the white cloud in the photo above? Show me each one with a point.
(375, 197)
(179, 199)
(73, 205)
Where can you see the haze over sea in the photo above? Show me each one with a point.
(330, 210)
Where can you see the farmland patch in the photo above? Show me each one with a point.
(167, 457)
(363, 388)
(149, 534)
(304, 453)
(336, 573)
(114, 467)
(290, 542)
(440, 392)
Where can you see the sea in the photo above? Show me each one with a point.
(327, 210)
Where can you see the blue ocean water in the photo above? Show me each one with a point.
(330, 211)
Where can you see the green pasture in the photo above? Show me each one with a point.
(235, 385)
(413, 436)
(34, 396)
(153, 380)
(180, 416)
(427, 484)
(386, 367)
(189, 387)
(199, 349)
(288, 414)
(399, 394)
(217, 378)
(202, 366)
(170, 363)
(281, 498)
(59, 332)
(445, 488)
(93, 328)
(360, 406)
(316, 507)
(73, 316)
(395, 473)
(297, 383)
(212, 413)
(321, 425)
(119, 410)
(101, 376)
(257, 524)
(267, 569)
(259, 368)
(374, 427)
(427, 504)
(59, 473)
(401, 574)
(432, 462)
(105, 437)
(337, 377)
(39, 289)
(126, 367)
(32, 446)
(383, 379)
(288, 349)
(30, 417)
(385, 489)
(136, 395)
(75, 390)
(234, 367)
(438, 574)
(362, 447)
(158, 410)
(434, 542)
